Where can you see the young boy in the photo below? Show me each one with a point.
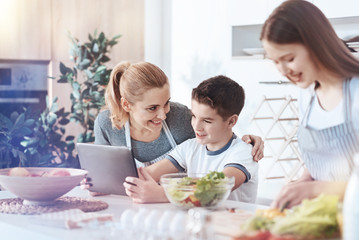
(216, 105)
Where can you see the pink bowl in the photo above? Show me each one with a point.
(40, 190)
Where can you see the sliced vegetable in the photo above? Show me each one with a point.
(316, 218)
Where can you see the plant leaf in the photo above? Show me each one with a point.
(70, 138)
(101, 38)
(105, 59)
(19, 121)
(63, 68)
(117, 36)
(29, 122)
(60, 112)
(95, 48)
(64, 121)
(5, 122)
(51, 118)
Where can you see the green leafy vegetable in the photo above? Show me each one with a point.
(312, 218)
(316, 217)
(205, 191)
(210, 188)
(257, 223)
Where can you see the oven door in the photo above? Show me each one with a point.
(11, 101)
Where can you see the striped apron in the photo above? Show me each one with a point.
(328, 153)
(169, 137)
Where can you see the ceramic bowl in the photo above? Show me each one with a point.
(40, 188)
(182, 190)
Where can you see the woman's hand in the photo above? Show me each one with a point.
(144, 189)
(294, 193)
(258, 146)
(85, 184)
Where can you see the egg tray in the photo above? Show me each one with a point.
(16, 206)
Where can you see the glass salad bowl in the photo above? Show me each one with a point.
(196, 190)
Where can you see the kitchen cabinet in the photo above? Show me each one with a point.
(246, 19)
(338, 9)
(250, 12)
(25, 29)
(343, 15)
(246, 12)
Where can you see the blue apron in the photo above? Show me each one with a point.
(328, 153)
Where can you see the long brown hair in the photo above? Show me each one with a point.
(131, 81)
(299, 21)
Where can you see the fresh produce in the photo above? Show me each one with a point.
(313, 219)
(19, 172)
(23, 172)
(199, 192)
(59, 173)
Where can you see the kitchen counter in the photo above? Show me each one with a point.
(14, 226)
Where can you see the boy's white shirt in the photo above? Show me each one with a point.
(195, 158)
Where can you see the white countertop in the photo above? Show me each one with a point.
(14, 226)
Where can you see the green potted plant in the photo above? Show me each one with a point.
(36, 139)
(39, 139)
(88, 79)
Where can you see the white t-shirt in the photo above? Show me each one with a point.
(333, 117)
(192, 157)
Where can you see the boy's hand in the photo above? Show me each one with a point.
(258, 146)
(144, 189)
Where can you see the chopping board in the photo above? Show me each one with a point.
(229, 223)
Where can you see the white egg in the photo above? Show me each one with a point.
(152, 220)
(138, 231)
(138, 219)
(163, 224)
(127, 218)
(178, 225)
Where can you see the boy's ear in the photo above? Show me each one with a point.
(232, 120)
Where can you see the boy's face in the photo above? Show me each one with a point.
(210, 128)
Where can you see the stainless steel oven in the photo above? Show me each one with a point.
(22, 84)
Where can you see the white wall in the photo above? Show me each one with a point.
(158, 38)
(199, 47)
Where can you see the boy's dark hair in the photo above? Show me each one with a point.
(222, 94)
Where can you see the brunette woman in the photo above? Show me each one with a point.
(305, 48)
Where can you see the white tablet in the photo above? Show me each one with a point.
(107, 166)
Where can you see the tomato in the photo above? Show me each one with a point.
(273, 237)
(259, 235)
(262, 235)
(192, 199)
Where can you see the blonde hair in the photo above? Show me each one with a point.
(131, 81)
(299, 21)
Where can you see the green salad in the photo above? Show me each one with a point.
(199, 192)
(315, 218)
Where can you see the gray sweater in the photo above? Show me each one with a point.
(178, 120)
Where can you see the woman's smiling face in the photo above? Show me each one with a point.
(148, 113)
(293, 61)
